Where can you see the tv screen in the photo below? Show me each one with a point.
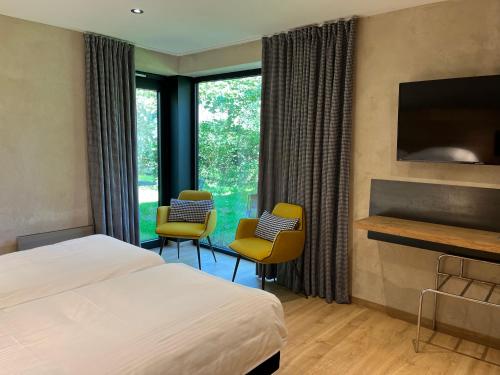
(450, 120)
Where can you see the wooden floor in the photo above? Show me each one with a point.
(351, 339)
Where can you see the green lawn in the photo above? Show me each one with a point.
(147, 220)
(147, 180)
(230, 209)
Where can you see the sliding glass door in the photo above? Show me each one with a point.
(148, 119)
(228, 116)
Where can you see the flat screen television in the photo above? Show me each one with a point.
(450, 120)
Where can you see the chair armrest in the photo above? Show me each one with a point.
(288, 245)
(210, 222)
(246, 228)
(162, 215)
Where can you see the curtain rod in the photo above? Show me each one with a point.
(320, 24)
(109, 37)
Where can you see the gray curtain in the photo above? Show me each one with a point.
(305, 151)
(111, 125)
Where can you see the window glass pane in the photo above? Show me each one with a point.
(228, 150)
(147, 160)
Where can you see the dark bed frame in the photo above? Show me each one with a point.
(268, 367)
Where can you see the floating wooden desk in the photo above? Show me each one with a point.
(443, 234)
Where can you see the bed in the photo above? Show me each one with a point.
(47, 270)
(166, 319)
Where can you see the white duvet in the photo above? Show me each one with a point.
(47, 270)
(168, 319)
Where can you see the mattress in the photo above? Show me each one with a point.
(47, 270)
(168, 319)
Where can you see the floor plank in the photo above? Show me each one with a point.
(350, 339)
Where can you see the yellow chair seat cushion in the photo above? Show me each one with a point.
(252, 247)
(180, 230)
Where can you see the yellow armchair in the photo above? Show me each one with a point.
(287, 246)
(246, 228)
(182, 230)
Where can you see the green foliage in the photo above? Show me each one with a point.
(228, 149)
(229, 135)
(147, 136)
(147, 160)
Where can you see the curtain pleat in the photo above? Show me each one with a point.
(305, 151)
(111, 133)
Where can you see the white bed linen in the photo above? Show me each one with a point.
(169, 319)
(47, 270)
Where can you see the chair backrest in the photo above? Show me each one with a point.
(291, 211)
(195, 195)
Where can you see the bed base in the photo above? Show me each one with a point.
(268, 367)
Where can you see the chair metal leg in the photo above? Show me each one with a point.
(296, 269)
(178, 248)
(263, 270)
(198, 250)
(236, 267)
(211, 247)
(299, 276)
(163, 239)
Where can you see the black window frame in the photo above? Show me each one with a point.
(158, 83)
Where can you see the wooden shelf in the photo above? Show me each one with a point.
(443, 234)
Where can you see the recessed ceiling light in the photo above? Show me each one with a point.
(137, 11)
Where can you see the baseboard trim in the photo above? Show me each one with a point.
(441, 327)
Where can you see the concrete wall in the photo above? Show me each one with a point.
(156, 62)
(43, 136)
(221, 60)
(43, 157)
(450, 39)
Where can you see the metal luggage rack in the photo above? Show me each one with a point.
(443, 277)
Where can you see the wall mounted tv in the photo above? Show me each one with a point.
(450, 120)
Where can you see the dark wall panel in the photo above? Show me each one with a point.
(463, 206)
(182, 138)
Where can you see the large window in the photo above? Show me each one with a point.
(228, 149)
(147, 160)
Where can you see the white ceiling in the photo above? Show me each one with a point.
(181, 27)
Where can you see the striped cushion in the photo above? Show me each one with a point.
(270, 225)
(189, 211)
